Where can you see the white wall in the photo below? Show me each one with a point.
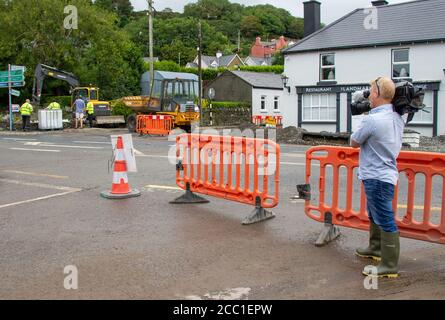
(270, 94)
(357, 66)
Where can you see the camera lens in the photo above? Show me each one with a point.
(366, 94)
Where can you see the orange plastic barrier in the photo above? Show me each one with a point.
(429, 227)
(154, 124)
(240, 169)
(268, 120)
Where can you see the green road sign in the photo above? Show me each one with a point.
(13, 73)
(14, 78)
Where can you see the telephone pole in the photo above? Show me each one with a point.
(150, 45)
(239, 41)
(200, 69)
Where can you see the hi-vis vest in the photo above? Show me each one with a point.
(90, 108)
(26, 109)
(54, 106)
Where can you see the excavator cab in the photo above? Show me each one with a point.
(101, 108)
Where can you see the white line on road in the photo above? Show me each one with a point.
(40, 185)
(294, 155)
(67, 190)
(39, 150)
(19, 139)
(66, 146)
(138, 153)
(36, 174)
(92, 142)
(151, 156)
(162, 187)
(293, 163)
(36, 199)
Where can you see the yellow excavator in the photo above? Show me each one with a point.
(102, 109)
(172, 93)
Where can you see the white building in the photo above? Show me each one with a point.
(404, 42)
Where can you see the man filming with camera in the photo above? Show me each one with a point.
(379, 138)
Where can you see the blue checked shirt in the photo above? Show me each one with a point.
(380, 138)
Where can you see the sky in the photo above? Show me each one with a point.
(331, 9)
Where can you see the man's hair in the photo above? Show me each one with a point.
(27, 100)
(385, 86)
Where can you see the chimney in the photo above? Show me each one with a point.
(379, 3)
(312, 20)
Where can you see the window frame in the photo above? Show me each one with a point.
(322, 67)
(319, 107)
(393, 63)
(263, 103)
(276, 103)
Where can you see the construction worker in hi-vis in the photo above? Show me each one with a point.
(90, 113)
(54, 106)
(26, 110)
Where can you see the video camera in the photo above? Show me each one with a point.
(408, 99)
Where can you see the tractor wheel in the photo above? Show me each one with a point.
(131, 123)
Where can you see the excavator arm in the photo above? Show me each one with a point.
(42, 71)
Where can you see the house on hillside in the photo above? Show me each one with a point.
(253, 61)
(228, 61)
(263, 91)
(262, 49)
(329, 64)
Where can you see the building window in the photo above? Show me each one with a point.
(263, 102)
(319, 107)
(425, 117)
(276, 103)
(327, 67)
(400, 64)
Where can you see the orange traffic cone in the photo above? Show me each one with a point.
(120, 189)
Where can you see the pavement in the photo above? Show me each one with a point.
(52, 216)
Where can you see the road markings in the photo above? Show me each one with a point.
(67, 190)
(36, 174)
(404, 206)
(293, 163)
(138, 153)
(38, 150)
(153, 156)
(36, 199)
(92, 142)
(161, 187)
(294, 155)
(66, 146)
(19, 139)
(33, 143)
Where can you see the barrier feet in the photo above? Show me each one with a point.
(189, 197)
(329, 233)
(258, 214)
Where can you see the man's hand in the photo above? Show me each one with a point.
(354, 144)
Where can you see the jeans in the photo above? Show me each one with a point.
(379, 197)
(26, 120)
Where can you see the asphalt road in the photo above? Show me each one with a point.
(51, 216)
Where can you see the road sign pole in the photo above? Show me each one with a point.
(11, 115)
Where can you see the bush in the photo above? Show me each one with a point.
(120, 109)
(64, 101)
(274, 69)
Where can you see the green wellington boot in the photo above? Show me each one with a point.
(388, 266)
(373, 250)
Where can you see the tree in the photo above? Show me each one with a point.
(122, 8)
(251, 26)
(97, 52)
